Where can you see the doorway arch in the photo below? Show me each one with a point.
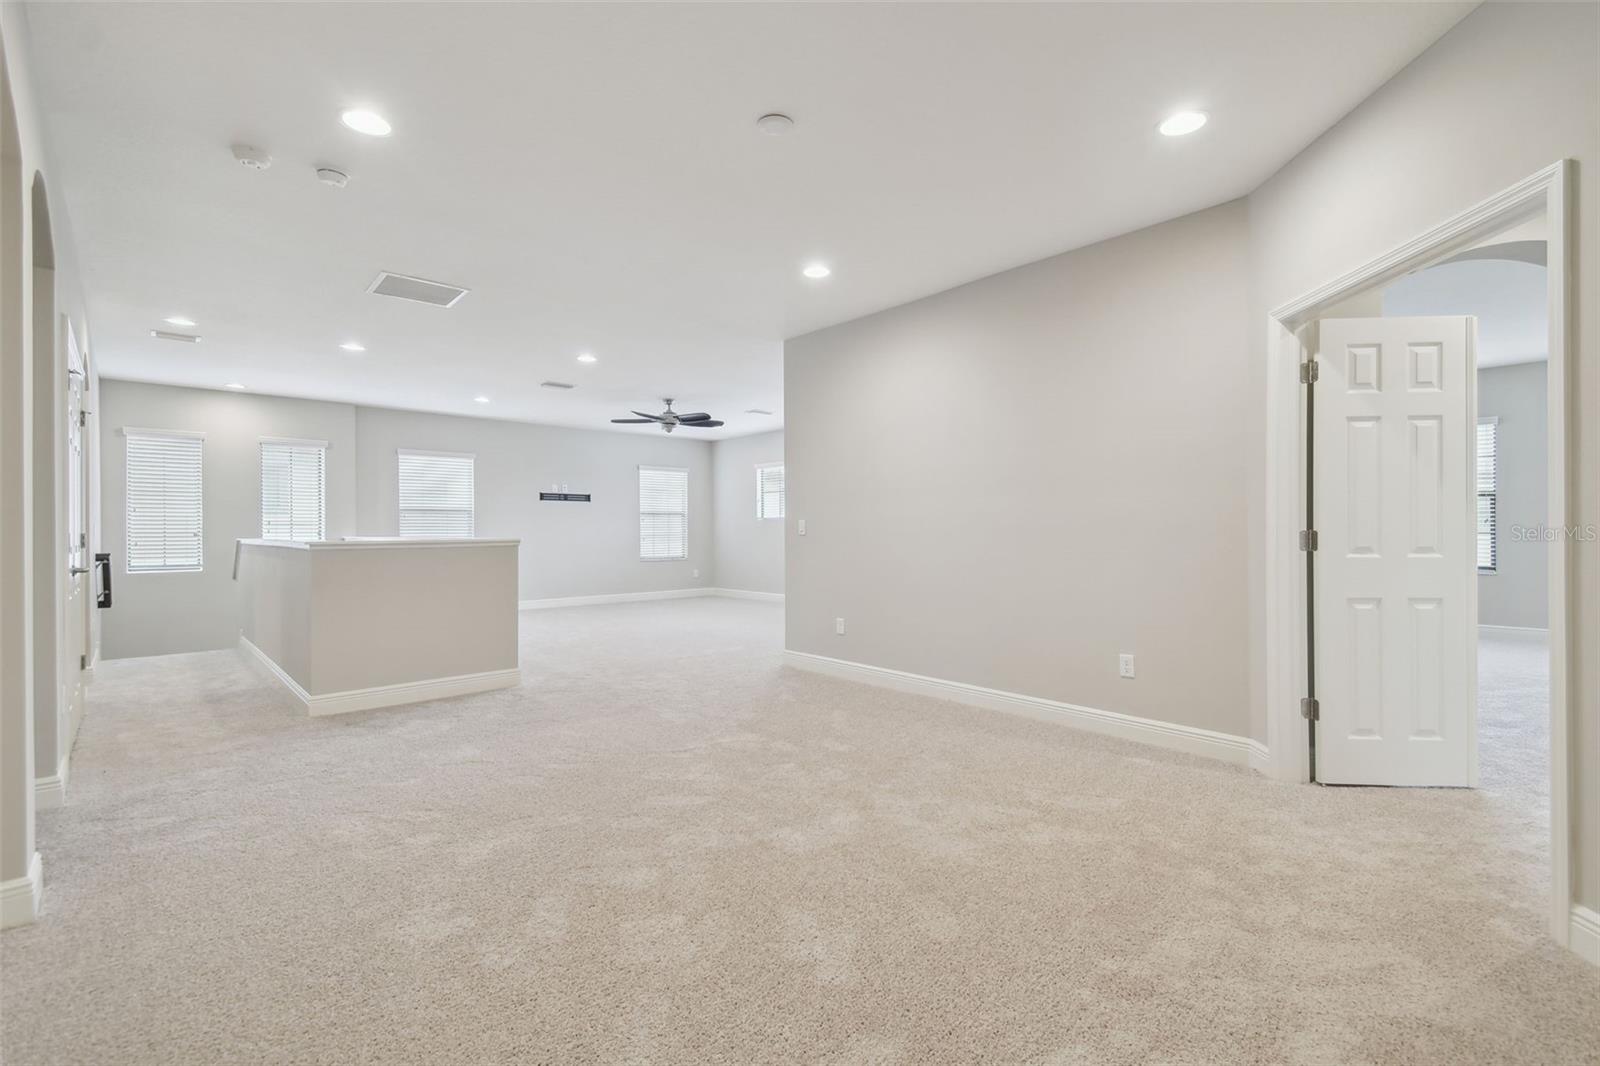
(19, 863)
(49, 532)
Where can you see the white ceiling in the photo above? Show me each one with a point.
(593, 174)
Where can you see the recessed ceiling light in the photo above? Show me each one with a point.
(179, 320)
(480, 399)
(775, 124)
(364, 121)
(233, 385)
(817, 270)
(587, 357)
(353, 346)
(1183, 122)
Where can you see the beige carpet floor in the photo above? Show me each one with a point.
(665, 847)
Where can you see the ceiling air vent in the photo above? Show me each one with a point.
(417, 290)
(168, 335)
(556, 385)
(756, 411)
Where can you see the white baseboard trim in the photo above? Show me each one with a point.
(1583, 934)
(20, 896)
(1514, 629)
(636, 597)
(366, 699)
(617, 597)
(1241, 751)
(260, 658)
(1260, 757)
(51, 792)
(746, 594)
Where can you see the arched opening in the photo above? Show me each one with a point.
(50, 584)
(18, 859)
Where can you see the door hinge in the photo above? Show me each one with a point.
(83, 419)
(1310, 710)
(83, 662)
(1308, 540)
(1308, 372)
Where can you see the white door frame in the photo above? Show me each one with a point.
(1285, 630)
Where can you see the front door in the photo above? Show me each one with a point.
(1395, 586)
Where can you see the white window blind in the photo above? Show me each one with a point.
(1488, 528)
(769, 490)
(293, 490)
(663, 513)
(435, 494)
(165, 512)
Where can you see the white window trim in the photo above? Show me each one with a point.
(777, 517)
(180, 434)
(294, 442)
(666, 470)
(401, 452)
(127, 501)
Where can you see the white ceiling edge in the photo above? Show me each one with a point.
(587, 427)
(686, 284)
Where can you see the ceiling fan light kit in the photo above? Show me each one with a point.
(670, 420)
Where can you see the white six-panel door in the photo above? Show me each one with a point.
(1396, 593)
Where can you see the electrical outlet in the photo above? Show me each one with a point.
(1125, 666)
(802, 527)
(838, 626)
(697, 573)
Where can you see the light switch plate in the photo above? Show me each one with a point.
(802, 527)
(838, 626)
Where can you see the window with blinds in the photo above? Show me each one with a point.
(769, 490)
(435, 494)
(663, 513)
(165, 510)
(1488, 529)
(293, 490)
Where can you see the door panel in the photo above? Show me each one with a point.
(1396, 599)
(77, 605)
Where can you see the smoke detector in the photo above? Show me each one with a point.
(251, 157)
(329, 176)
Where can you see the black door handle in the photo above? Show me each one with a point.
(102, 561)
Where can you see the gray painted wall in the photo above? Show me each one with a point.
(1510, 90)
(749, 549)
(1010, 483)
(157, 614)
(568, 549)
(1517, 593)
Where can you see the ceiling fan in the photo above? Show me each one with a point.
(670, 419)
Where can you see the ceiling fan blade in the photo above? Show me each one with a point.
(709, 423)
(652, 418)
(698, 416)
(630, 421)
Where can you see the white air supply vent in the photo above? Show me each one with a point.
(168, 335)
(756, 411)
(417, 290)
(556, 385)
